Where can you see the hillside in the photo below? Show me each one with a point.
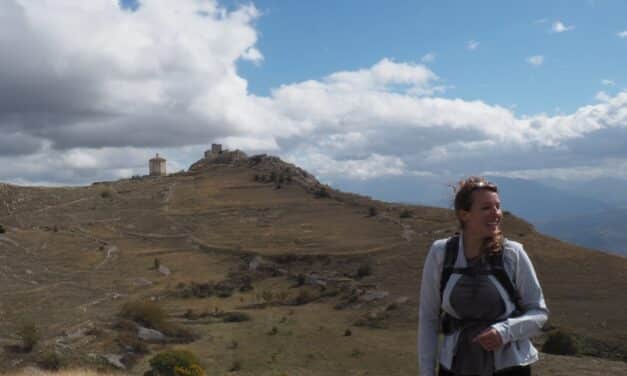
(303, 262)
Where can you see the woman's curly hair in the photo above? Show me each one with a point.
(464, 200)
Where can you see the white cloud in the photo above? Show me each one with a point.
(622, 34)
(535, 60)
(252, 54)
(602, 96)
(372, 166)
(607, 82)
(158, 81)
(616, 168)
(428, 58)
(559, 27)
(472, 45)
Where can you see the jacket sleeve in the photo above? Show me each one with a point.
(535, 311)
(429, 314)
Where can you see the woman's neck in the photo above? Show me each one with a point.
(472, 245)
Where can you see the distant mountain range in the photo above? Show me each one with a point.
(591, 214)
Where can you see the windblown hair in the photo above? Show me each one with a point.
(464, 200)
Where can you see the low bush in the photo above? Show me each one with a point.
(174, 363)
(322, 192)
(405, 213)
(560, 342)
(267, 296)
(364, 270)
(194, 370)
(304, 296)
(2, 230)
(372, 211)
(29, 335)
(300, 279)
(235, 366)
(235, 317)
(50, 361)
(146, 313)
(107, 193)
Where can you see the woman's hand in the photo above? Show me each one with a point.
(489, 339)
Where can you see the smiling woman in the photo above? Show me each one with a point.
(481, 292)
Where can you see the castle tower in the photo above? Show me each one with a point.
(215, 150)
(157, 166)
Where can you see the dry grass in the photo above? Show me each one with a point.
(201, 226)
(74, 372)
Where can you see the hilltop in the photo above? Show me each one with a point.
(326, 282)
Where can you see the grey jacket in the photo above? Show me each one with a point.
(515, 332)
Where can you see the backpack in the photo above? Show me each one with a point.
(497, 269)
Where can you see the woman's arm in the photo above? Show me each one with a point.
(535, 311)
(429, 313)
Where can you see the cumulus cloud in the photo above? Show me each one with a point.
(535, 60)
(602, 96)
(163, 78)
(606, 82)
(80, 74)
(428, 58)
(559, 27)
(622, 34)
(472, 45)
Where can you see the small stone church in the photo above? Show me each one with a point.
(157, 166)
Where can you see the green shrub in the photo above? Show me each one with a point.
(300, 279)
(167, 362)
(267, 296)
(194, 370)
(235, 317)
(147, 313)
(50, 361)
(2, 230)
(236, 366)
(561, 343)
(106, 193)
(304, 297)
(322, 192)
(406, 213)
(364, 270)
(29, 335)
(372, 211)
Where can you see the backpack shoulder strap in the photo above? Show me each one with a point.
(452, 247)
(499, 272)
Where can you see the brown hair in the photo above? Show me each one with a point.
(463, 201)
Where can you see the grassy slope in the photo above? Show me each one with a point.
(200, 226)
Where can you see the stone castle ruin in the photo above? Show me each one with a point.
(216, 149)
(157, 166)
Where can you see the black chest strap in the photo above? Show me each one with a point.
(496, 269)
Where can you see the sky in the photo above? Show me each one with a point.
(90, 90)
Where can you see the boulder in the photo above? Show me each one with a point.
(148, 334)
(164, 270)
(115, 360)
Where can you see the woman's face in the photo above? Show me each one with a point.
(484, 217)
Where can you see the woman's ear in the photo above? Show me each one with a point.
(463, 215)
